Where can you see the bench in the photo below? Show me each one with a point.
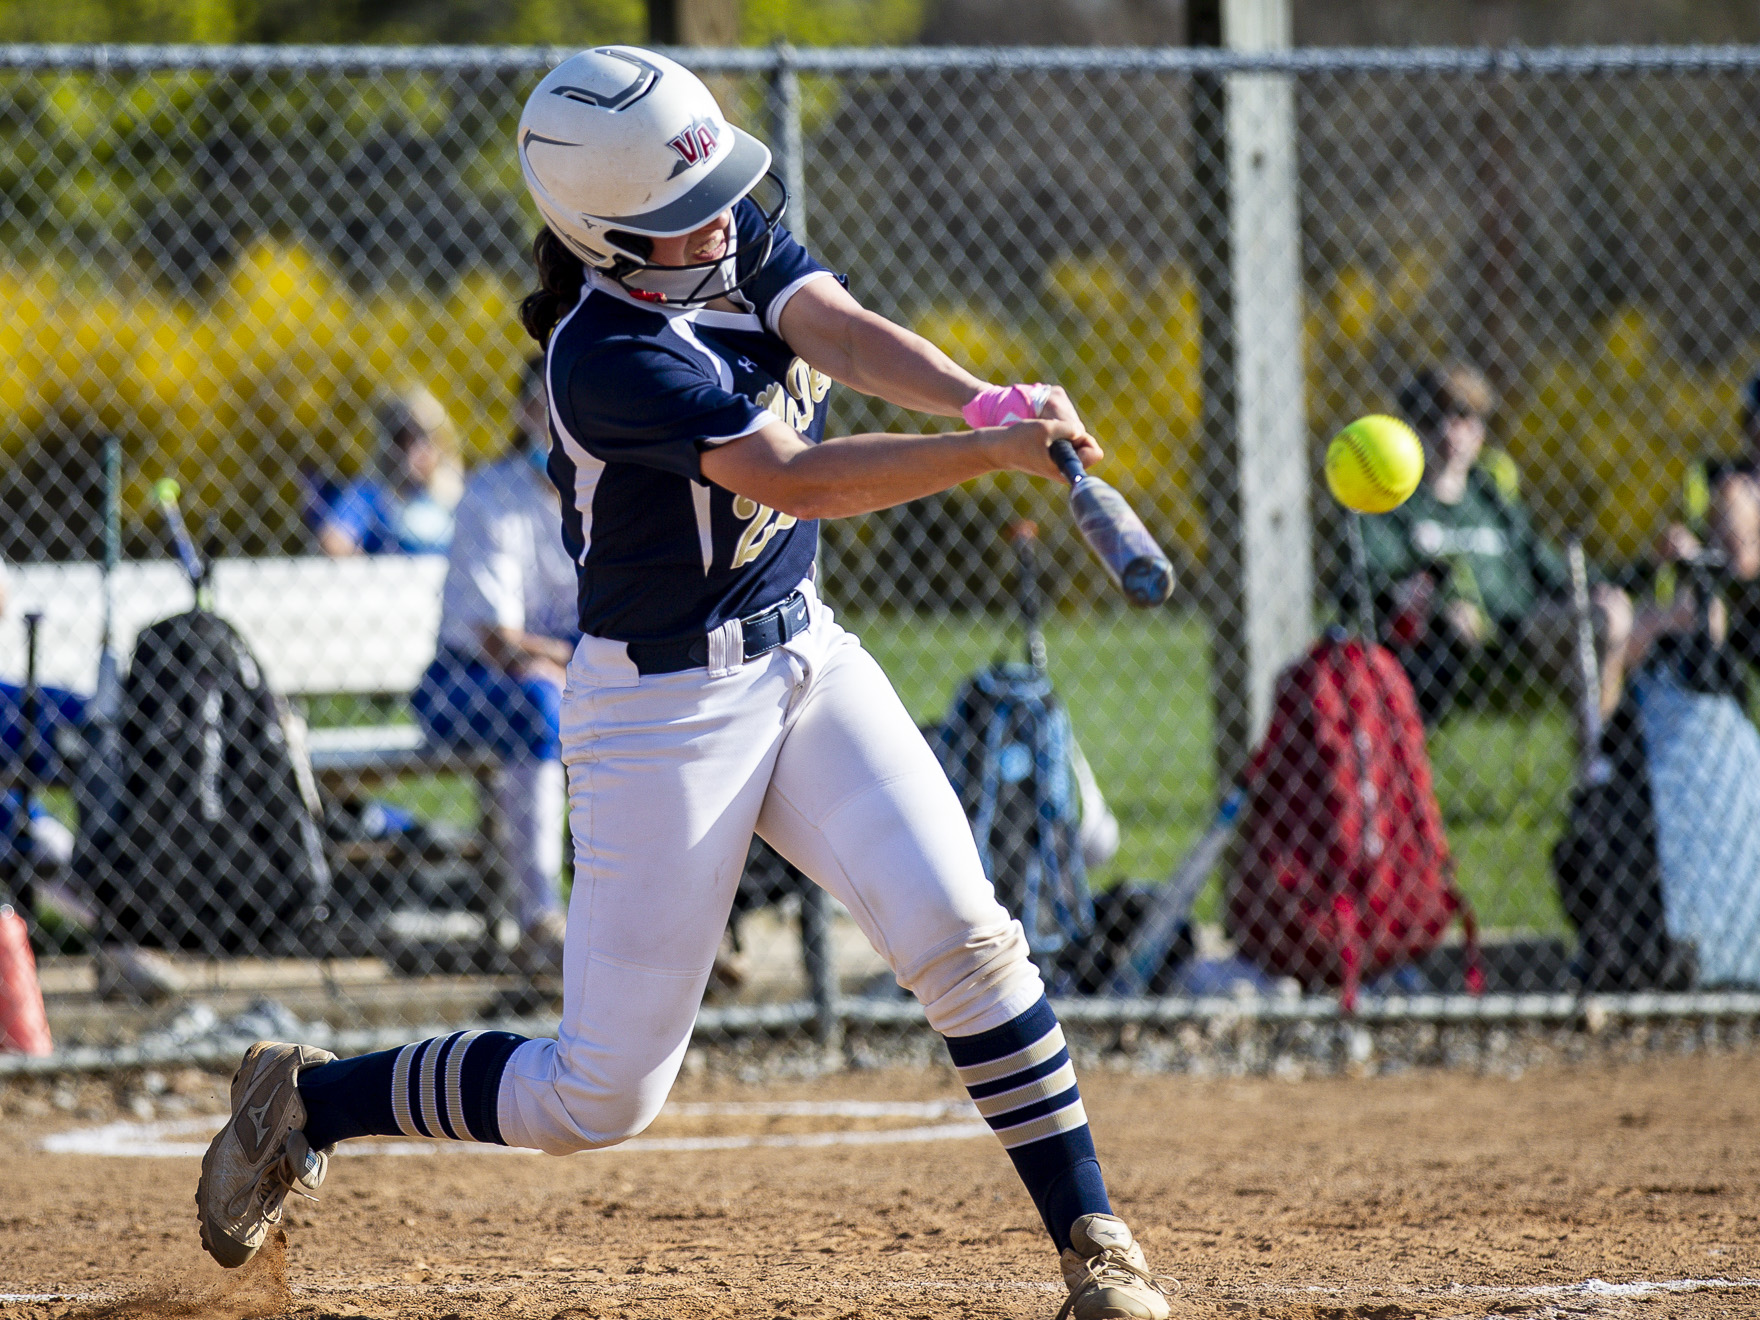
(362, 627)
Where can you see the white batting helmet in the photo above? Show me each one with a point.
(618, 142)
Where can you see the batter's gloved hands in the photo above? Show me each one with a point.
(1024, 446)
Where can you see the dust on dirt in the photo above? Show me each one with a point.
(257, 1291)
(1420, 1197)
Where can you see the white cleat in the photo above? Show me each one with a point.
(1108, 1277)
(260, 1155)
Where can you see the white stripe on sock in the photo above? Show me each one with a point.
(1067, 1119)
(976, 1074)
(1006, 1102)
(406, 1124)
(454, 1089)
(426, 1089)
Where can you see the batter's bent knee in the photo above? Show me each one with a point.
(545, 1105)
(975, 982)
(602, 1121)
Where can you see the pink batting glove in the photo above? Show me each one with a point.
(998, 405)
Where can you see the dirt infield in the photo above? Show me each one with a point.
(1579, 1191)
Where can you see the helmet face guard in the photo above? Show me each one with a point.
(735, 270)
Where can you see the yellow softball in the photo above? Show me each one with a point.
(1374, 464)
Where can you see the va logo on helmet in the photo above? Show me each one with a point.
(696, 144)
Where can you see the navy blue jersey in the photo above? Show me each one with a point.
(638, 391)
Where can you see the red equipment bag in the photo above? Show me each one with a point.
(1344, 871)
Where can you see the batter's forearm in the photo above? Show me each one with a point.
(861, 473)
(900, 366)
(867, 352)
(857, 474)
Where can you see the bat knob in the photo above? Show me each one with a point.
(1063, 453)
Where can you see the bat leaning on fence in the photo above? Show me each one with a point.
(1171, 908)
(1588, 666)
(107, 697)
(165, 494)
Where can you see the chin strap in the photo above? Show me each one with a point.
(688, 286)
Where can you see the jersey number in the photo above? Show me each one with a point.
(795, 406)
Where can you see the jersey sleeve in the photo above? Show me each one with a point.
(637, 401)
(790, 266)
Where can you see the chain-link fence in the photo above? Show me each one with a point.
(287, 280)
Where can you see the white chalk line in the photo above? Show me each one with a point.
(1594, 1288)
(157, 1139)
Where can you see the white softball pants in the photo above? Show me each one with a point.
(668, 777)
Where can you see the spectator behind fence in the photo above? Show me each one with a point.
(507, 632)
(1461, 581)
(1722, 505)
(1732, 619)
(404, 505)
(1707, 477)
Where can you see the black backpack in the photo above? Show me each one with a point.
(1607, 861)
(1006, 747)
(213, 847)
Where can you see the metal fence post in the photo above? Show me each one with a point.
(1248, 270)
(819, 965)
(786, 142)
(818, 961)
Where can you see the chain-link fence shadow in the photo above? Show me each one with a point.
(1494, 742)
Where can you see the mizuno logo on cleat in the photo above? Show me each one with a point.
(256, 1115)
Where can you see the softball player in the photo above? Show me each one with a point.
(690, 346)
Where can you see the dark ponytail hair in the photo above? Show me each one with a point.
(560, 276)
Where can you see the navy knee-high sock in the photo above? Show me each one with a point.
(1021, 1079)
(444, 1087)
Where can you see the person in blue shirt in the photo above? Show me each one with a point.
(691, 344)
(405, 505)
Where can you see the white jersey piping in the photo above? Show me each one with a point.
(587, 469)
(780, 301)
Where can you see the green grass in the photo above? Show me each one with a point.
(1136, 686)
(1504, 780)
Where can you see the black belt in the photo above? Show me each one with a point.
(764, 632)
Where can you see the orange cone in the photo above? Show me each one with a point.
(24, 1026)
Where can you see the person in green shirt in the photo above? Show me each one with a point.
(1462, 583)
